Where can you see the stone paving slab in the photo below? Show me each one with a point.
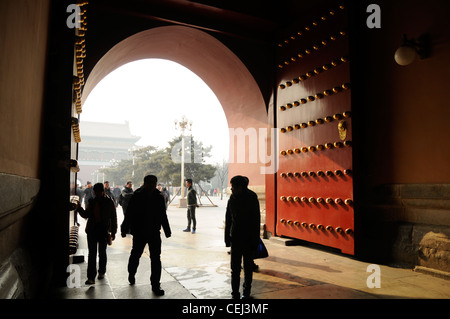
(196, 266)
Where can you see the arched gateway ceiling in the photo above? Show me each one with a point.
(219, 68)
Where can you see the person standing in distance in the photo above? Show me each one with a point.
(108, 190)
(145, 216)
(242, 233)
(88, 193)
(125, 196)
(191, 205)
(116, 194)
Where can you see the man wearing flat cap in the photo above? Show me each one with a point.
(242, 233)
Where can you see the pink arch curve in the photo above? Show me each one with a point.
(219, 68)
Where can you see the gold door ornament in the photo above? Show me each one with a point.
(342, 129)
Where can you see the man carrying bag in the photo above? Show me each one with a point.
(242, 233)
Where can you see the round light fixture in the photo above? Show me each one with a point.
(405, 55)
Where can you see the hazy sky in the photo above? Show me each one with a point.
(151, 94)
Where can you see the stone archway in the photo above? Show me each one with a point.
(219, 68)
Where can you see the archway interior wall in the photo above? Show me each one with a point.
(219, 68)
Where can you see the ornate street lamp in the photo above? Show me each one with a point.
(182, 125)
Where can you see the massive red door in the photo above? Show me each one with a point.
(314, 196)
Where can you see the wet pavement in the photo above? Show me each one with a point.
(196, 266)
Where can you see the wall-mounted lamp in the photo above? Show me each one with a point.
(410, 49)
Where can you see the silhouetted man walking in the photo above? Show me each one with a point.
(242, 232)
(101, 219)
(145, 216)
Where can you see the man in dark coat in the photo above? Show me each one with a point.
(88, 193)
(145, 216)
(125, 197)
(116, 194)
(191, 205)
(108, 191)
(101, 219)
(242, 233)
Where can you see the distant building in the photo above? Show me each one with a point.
(101, 145)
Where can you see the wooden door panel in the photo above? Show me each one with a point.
(314, 179)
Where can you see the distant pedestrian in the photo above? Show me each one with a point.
(145, 216)
(191, 205)
(101, 223)
(79, 192)
(108, 191)
(167, 196)
(116, 194)
(242, 233)
(125, 196)
(165, 193)
(88, 193)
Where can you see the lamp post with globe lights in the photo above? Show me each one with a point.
(182, 125)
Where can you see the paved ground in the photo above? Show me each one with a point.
(196, 266)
